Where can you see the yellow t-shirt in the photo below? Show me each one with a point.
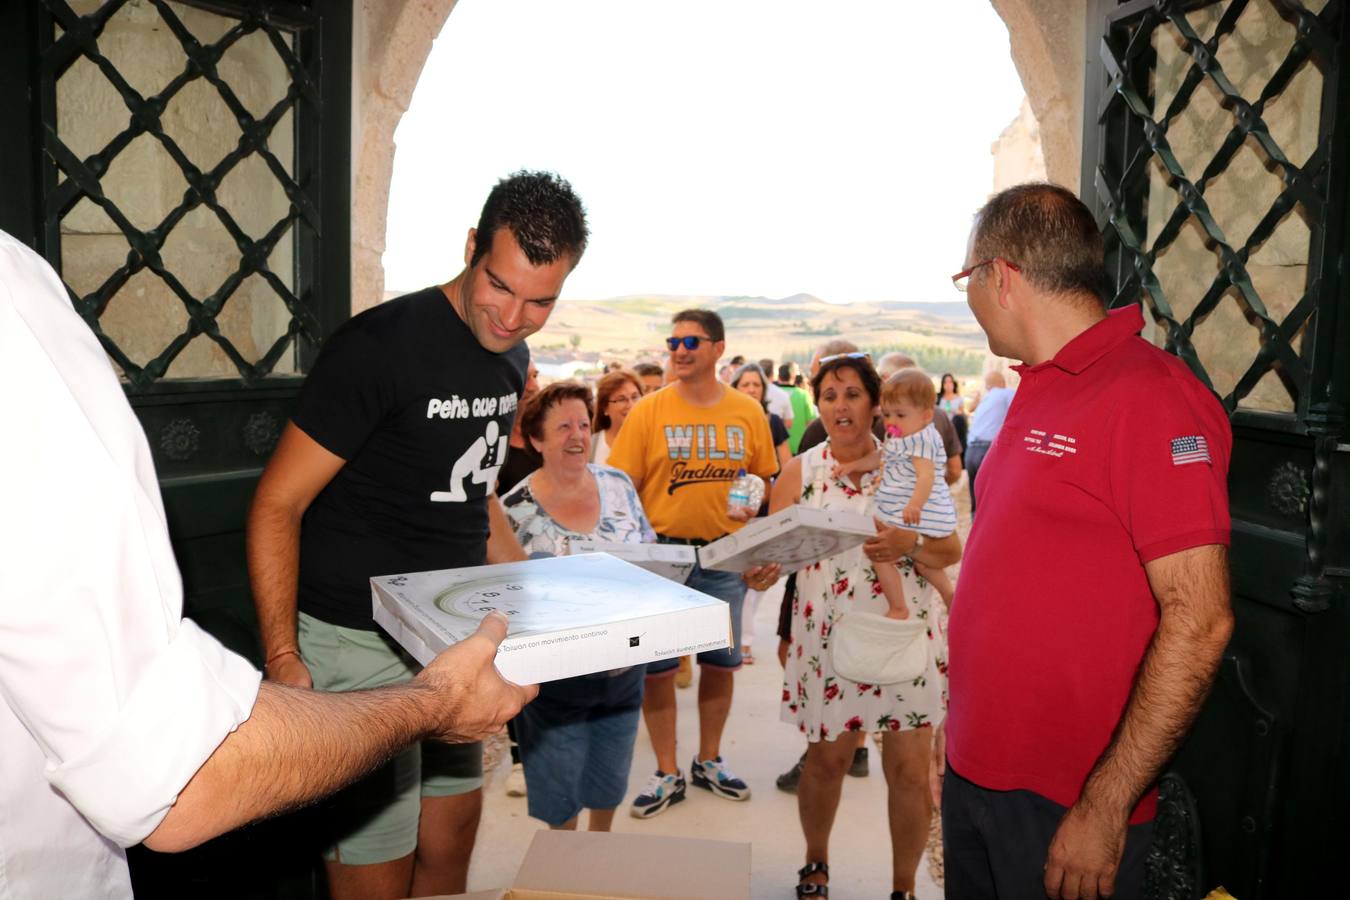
(685, 457)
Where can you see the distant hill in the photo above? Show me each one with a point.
(943, 336)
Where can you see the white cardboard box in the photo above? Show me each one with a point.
(569, 615)
(795, 538)
(673, 561)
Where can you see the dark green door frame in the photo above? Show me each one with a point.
(1256, 799)
(209, 437)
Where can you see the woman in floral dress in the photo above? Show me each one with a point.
(825, 706)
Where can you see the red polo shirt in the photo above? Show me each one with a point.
(1112, 455)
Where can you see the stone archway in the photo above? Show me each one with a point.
(1049, 49)
(394, 37)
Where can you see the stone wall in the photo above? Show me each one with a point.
(1049, 39)
(1018, 153)
(145, 315)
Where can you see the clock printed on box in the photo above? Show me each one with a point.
(567, 615)
(794, 538)
(532, 605)
(792, 547)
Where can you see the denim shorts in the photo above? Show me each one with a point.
(576, 743)
(375, 819)
(727, 586)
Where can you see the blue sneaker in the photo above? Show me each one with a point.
(713, 775)
(661, 791)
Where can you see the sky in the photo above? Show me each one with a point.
(721, 147)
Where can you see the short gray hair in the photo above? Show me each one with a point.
(1049, 234)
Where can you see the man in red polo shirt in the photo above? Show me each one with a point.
(1093, 604)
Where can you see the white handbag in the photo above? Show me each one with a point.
(872, 649)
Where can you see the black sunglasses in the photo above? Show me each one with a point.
(690, 341)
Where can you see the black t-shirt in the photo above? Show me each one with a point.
(519, 463)
(422, 414)
(777, 429)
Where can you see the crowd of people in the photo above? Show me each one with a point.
(1084, 630)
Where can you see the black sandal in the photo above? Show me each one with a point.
(813, 890)
(903, 895)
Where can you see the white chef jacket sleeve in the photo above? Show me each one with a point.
(125, 698)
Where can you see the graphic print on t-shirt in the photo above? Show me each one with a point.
(1038, 440)
(703, 454)
(480, 462)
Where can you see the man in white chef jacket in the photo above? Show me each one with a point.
(120, 721)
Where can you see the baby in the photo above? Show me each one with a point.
(913, 494)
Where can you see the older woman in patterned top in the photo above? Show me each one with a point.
(576, 739)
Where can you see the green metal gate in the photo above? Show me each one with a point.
(1217, 156)
(185, 166)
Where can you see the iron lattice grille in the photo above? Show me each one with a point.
(78, 39)
(1138, 147)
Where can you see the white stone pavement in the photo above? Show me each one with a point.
(758, 747)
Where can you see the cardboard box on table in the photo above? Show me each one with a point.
(584, 865)
(795, 538)
(569, 615)
(673, 561)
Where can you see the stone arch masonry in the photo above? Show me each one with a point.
(394, 37)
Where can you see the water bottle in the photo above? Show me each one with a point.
(746, 491)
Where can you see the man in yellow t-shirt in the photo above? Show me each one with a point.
(683, 447)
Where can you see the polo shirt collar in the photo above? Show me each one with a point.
(1090, 346)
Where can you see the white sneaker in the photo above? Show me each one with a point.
(661, 792)
(714, 775)
(515, 782)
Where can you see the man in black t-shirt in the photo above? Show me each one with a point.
(389, 465)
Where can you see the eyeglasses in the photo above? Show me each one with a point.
(690, 341)
(625, 399)
(855, 355)
(962, 279)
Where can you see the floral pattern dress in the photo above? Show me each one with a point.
(820, 703)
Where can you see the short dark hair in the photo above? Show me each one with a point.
(785, 372)
(605, 388)
(766, 366)
(1049, 234)
(534, 410)
(709, 320)
(646, 368)
(871, 381)
(544, 214)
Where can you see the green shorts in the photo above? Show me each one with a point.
(375, 819)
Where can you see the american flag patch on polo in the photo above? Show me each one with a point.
(1192, 449)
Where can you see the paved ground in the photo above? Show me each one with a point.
(759, 747)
